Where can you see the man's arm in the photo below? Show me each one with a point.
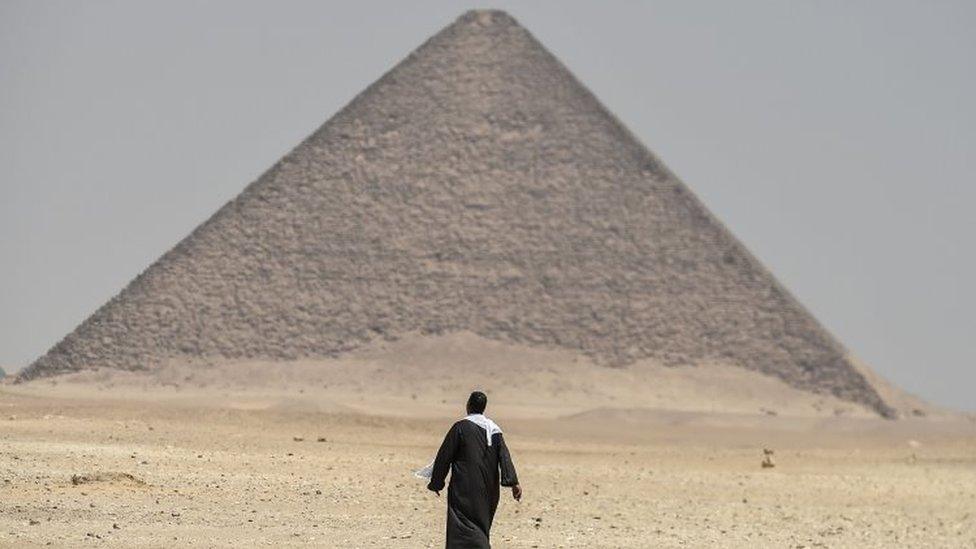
(442, 463)
(506, 466)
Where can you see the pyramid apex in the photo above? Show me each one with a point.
(487, 17)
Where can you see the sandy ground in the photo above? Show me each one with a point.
(160, 465)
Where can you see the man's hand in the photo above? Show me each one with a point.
(517, 492)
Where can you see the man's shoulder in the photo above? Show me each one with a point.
(464, 425)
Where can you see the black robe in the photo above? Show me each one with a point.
(473, 495)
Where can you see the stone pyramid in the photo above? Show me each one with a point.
(476, 186)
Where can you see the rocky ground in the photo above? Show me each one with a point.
(82, 465)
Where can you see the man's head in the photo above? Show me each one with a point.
(477, 402)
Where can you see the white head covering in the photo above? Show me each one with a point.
(488, 425)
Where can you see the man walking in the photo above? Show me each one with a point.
(475, 453)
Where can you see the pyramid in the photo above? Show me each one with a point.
(477, 186)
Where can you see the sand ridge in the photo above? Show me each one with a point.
(416, 374)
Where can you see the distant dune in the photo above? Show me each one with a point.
(419, 375)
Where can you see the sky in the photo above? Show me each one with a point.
(836, 139)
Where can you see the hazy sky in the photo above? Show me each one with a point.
(837, 139)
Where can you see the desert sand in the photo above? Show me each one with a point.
(320, 454)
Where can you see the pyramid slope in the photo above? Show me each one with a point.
(477, 186)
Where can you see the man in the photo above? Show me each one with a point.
(475, 453)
